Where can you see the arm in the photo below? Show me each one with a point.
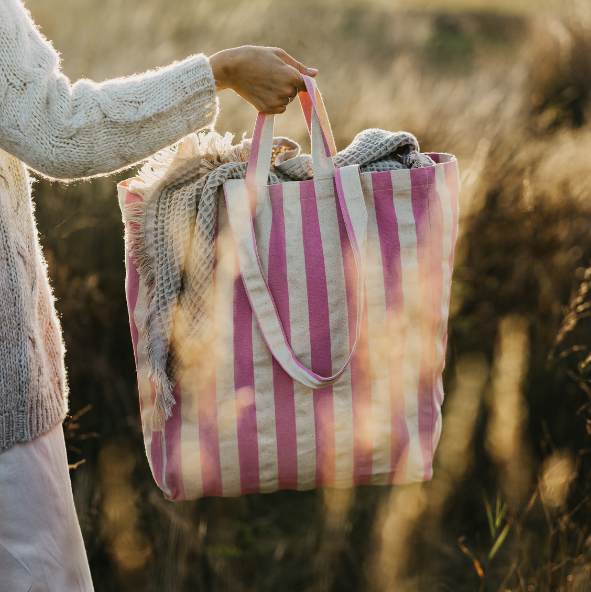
(88, 129)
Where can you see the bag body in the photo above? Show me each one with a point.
(322, 365)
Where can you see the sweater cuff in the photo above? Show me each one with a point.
(197, 91)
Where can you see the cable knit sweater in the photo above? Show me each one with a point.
(65, 131)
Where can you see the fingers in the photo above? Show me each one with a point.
(297, 80)
(277, 110)
(269, 104)
(277, 107)
(272, 110)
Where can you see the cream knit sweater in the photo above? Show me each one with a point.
(65, 131)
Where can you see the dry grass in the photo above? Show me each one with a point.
(505, 87)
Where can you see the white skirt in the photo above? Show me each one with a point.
(41, 546)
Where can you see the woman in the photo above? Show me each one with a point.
(69, 132)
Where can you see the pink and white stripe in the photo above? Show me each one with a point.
(307, 273)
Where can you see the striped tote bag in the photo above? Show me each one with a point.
(329, 326)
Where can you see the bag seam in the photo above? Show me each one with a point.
(431, 403)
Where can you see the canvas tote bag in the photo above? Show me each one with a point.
(329, 315)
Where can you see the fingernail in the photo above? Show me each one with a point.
(312, 71)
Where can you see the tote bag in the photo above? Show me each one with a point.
(329, 309)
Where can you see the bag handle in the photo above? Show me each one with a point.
(311, 101)
(323, 146)
(240, 214)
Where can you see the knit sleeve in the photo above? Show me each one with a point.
(72, 131)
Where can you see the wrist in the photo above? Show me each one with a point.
(223, 66)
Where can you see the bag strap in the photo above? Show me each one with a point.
(312, 101)
(352, 205)
(323, 146)
(241, 203)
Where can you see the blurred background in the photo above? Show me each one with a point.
(506, 86)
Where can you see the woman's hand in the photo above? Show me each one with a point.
(266, 77)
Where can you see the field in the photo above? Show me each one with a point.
(506, 86)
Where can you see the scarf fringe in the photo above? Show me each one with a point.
(210, 150)
(206, 152)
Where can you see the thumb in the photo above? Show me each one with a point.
(307, 71)
(297, 65)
